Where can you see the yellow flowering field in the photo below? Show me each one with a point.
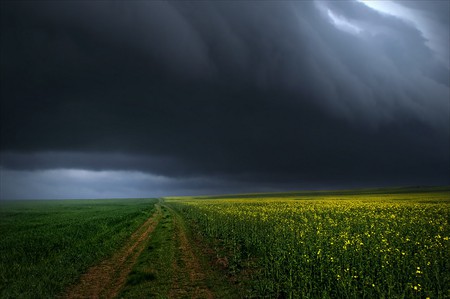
(331, 245)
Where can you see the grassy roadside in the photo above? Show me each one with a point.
(152, 273)
(175, 266)
(46, 245)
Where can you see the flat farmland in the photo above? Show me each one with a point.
(377, 243)
(349, 244)
(46, 245)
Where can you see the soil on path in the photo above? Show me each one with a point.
(189, 279)
(107, 278)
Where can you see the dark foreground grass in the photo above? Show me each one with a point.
(46, 245)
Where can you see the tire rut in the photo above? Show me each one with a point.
(189, 278)
(106, 279)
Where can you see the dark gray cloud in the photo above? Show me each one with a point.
(85, 184)
(325, 93)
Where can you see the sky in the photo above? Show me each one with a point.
(103, 99)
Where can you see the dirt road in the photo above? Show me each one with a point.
(171, 266)
(107, 278)
(189, 278)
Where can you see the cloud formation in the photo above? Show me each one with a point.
(323, 92)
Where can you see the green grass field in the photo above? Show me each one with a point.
(372, 243)
(46, 245)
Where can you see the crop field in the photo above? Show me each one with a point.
(379, 243)
(47, 245)
(331, 245)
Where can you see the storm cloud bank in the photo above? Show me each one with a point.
(238, 96)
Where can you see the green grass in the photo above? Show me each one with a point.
(46, 245)
(154, 273)
(151, 276)
(377, 244)
(371, 243)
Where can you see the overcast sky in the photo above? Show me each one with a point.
(144, 98)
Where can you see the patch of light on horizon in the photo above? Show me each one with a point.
(82, 183)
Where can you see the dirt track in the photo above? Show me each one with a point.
(107, 278)
(189, 278)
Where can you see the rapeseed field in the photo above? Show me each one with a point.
(331, 246)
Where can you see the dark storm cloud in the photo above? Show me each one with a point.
(323, 92)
